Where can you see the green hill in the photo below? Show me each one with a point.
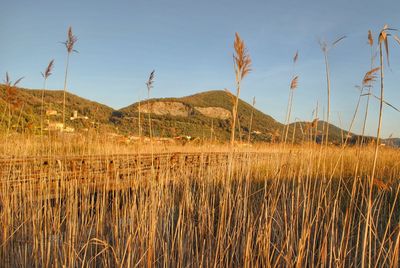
(204, 115)
(25, 112)
(193, 119)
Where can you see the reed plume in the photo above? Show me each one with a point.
(371, 44)
(242, 66)
(149, 85)
(45, 76)
(366, 82)
(382, 40)
(69, 45)
(293, 86)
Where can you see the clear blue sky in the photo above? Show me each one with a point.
(190, 45)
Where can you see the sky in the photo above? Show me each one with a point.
(189, 44)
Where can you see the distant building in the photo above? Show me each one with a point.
(75, 116)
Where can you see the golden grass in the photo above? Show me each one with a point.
(305, 205)
(298, 206)
(325, 47)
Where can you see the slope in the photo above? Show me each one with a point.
(205, 114)
(22, 110)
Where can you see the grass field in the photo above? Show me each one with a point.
(303, 205)
(156, 184)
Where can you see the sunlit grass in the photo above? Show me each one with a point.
(294, 206)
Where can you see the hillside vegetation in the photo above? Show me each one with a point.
(25, 112)
(199, 125)
(205, 115)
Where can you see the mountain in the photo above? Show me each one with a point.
(205, 115)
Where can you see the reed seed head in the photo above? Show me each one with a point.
(71, 40)
(48, 70)
(294, 83)
(150, 82)
(370, 38)
(296, 57)
(370, 77)
(242, 60)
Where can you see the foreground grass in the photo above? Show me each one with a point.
(300, 206)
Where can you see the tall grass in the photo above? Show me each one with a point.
(69, 45)
(293, 86)
(366, 83)
(261, 206)
(45, 76)
(140, 119)
(251, 119)
(371, 44)
(242, 66)
(383, 40)
(150, 85)
(325, 47)
(275, 212)
(11, 97)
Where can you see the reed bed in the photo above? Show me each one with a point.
(302, 205)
